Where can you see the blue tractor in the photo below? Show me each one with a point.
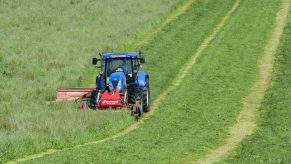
(121, 83)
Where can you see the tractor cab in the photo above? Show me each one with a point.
(124, 65)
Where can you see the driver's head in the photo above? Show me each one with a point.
(119, 69)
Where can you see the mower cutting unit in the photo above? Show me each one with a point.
(120, 84)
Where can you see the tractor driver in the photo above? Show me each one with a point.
(125, 66)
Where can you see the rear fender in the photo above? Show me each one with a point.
(98, 82)
(141, 79)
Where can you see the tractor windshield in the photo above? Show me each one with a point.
(119, 65)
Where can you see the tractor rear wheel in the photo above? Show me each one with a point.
(146, 97)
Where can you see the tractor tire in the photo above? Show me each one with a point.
(93, 99)
(146, 97)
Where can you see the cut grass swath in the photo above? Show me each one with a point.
(271, 141)
(246, 121)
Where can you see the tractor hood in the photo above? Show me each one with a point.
(117, 81)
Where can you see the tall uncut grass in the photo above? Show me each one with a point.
(197, 116)
(48, 44)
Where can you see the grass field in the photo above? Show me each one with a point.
(48, 44)
(196, 117)
(271, 142)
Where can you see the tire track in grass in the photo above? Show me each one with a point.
(246, 121)
(138, 43)
(176, 82)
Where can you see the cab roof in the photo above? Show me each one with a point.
(120, 54)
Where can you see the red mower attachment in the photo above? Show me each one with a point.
(106, 100)
(114, 98)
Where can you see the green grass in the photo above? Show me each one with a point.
(197, 116)
(271, 143)
(48, 44)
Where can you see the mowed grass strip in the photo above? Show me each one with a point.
(246, 121)
(271, 143)
(48, 44)
(197, 116)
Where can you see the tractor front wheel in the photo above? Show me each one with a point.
(94, 99)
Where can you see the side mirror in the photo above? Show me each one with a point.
(94, 61)
(142, 60)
